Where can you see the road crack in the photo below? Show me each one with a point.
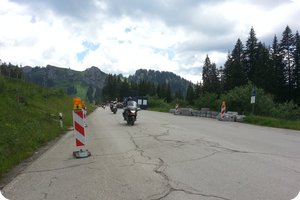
(159, 169)
(137, 147)
(196, 159)
(217, 146)
(60, 168)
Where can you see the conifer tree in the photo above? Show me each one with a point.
(287, 49)
(210, 77)
(190, 94)
(168, 94)
(264, 75)
(278, 65)
(251, 55)
(234, 70)
(297, 69)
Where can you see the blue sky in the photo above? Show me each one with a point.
(89, 46)
(121, 36)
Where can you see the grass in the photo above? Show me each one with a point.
(273, 122)
(159, 105)
(29, 119)
(81, 90)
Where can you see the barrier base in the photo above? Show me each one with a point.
(81, 154)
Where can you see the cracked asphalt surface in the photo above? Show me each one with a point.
(165, 157)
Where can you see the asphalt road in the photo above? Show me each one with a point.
(165, 157)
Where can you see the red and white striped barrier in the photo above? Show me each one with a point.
(79, 129)
(223, 109)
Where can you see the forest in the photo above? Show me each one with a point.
(273, 70)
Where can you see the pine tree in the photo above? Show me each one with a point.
(287, 49)
(210, 77)
(264, 75)
(278, 65)
(251, 55)
(297, 69)
(178, 95)
(198, 90)
(168, 94)
(234, 70)
(190, 94)
(142, 87)
(124, 91)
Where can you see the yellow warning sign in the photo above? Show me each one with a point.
(77, 103)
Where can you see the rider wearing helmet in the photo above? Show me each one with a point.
(125, 104)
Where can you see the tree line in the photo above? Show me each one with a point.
(117, 86)
(10, 70)
(275, 69)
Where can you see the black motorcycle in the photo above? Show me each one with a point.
(113, 107)
(130, 112)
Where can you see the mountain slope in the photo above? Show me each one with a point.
(75, 83)
(176, 82)
(29, 118)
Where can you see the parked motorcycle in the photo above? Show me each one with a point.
(130, 112)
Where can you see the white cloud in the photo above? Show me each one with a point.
(160, 35)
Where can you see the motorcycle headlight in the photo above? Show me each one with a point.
(132, 111)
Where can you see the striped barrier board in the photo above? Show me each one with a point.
(80, 135)
(79, 128)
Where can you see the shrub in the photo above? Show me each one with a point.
(288, 110)
(238, 100)
(209, 100)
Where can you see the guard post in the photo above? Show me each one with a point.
(84, 113)
(223, 110)
(60, 117)
(79, 129)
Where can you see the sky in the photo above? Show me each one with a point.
(121, 36)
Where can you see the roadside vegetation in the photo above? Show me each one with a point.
(270, 73)
(29, 119)
(265, 112)
(273, 122)
(29, 113)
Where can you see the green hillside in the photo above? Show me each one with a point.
(74, 83)
(29, 119)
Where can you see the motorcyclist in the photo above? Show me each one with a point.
(126, 100)
(125, 106)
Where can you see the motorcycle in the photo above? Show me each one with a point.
(113, 107)
(130, 112)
